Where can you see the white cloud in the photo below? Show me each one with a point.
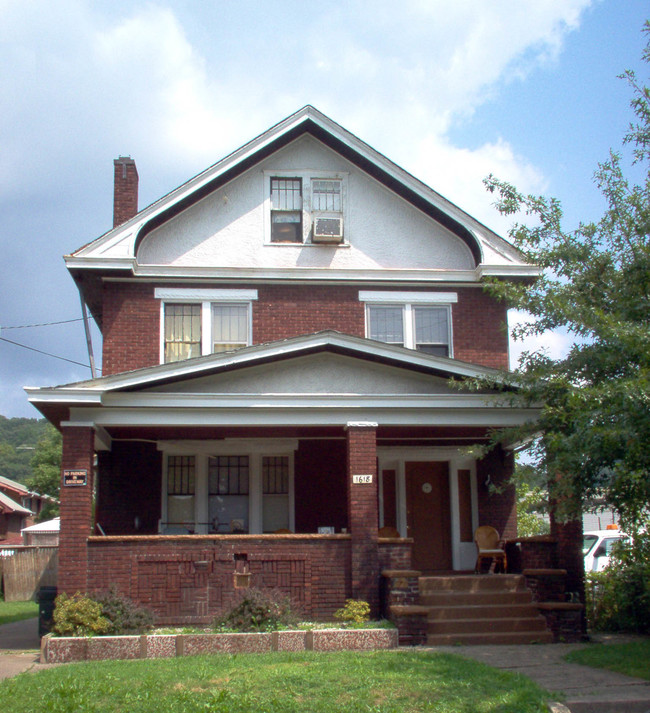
(555, 344)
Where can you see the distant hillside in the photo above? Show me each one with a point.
(16, 432)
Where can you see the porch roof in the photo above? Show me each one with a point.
(320, 379)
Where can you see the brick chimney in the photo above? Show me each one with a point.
(125, 192)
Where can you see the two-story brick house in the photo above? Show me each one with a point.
(279, 334)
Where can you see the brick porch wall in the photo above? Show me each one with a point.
(192, 579)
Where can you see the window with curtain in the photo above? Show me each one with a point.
(182, 324)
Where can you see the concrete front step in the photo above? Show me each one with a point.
(484, 611)
(472, 583)
(450, 598)
(481, 609)
(482, 626)
(499, 638)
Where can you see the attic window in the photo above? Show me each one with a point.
(286, 210)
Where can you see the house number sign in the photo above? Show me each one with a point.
(362, 478)
(75, 477)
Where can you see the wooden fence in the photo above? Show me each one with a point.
(27, 570)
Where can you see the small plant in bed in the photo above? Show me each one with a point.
(258, 610)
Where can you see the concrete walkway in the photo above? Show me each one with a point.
(584, 689)
(20, 648)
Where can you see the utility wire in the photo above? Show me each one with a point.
(24, 346)
(44, 324)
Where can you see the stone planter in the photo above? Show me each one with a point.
(150, 646)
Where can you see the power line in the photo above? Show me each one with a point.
(44, 324)
(40, 351)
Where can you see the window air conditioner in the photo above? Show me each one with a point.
(328, 229)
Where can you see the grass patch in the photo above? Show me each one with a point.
(15, 611)
(632, 659)
(377, 682)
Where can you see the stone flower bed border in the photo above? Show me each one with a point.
(153, 646)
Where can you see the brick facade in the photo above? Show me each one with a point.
(363, 512)
(131, 321)
(497, 502)
(76, 510)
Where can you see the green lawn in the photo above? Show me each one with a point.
(374, 682)
(632, 659)
(15, 611)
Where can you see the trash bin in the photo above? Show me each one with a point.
(46, 597)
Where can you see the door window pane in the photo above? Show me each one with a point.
(275, 493)
(181, 472)
(228, 493)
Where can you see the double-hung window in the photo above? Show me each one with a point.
(286, 210)
(196, 322)
(305, 207)
(416, 320)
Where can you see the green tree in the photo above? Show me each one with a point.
(595, 284)
(46, 470)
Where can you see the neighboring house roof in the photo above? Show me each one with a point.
(6, 483)
(7, 505)
(116, 251)
(43, 527)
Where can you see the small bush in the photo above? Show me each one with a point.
(259, 610)
(618, 598)
(124, 615)
(355, 611)
(78, 616)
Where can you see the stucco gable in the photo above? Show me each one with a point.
(323, 373)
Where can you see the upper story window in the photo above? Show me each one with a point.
(306, 207)
(286, 210)
(199, 322)
(416, 320)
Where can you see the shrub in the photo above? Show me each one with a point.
(259, 610)
(78, 616)
(618, 598)
(355, 611)
(124, 615)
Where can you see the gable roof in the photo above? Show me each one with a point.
(116, 250)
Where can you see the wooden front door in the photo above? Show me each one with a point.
(428, 515)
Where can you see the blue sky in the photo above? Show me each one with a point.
(451, 91)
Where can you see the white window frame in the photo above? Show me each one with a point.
(255, 450)
(308, 215)
(408, 301)
(206, 298)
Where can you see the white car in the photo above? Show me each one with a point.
(596, 548)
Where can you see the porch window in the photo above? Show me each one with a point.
(275, 493)
(181, 476)
(228, 488)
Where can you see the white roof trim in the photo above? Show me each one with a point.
(91, 392)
